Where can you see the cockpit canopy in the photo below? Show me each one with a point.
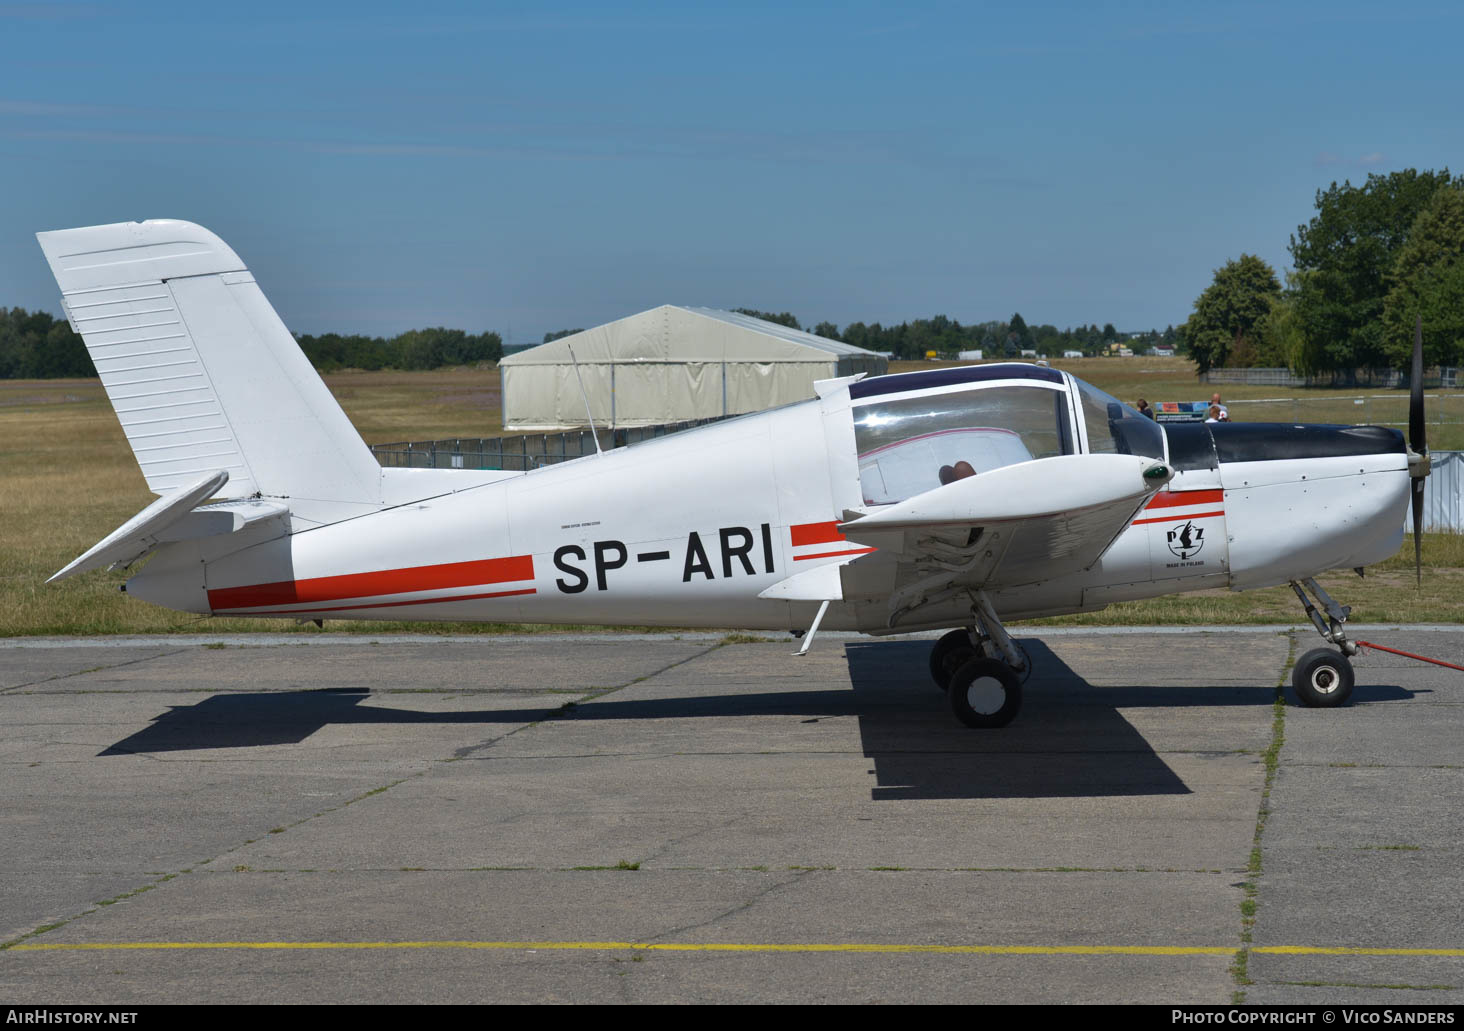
(917, 431)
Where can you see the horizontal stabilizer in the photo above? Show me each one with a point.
(174, 517)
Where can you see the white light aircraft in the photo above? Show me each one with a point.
(953, 498)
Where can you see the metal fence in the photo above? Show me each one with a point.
(1361, 409)
(518, 453)
(1443, 494)
(1448, 376)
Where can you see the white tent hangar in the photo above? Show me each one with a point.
(668, 364)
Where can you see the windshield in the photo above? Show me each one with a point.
(1115, 428)
(910, 445)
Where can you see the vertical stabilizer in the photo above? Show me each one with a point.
(201, 371)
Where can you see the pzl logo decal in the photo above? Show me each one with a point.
(1186, 540)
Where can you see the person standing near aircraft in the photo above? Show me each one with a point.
(1224, 415)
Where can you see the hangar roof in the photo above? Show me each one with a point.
(672, 333)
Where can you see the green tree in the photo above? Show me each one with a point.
(826, 329)
(36, 344)
(1283, 341)
(1229, 317)
(1019, 334)
(1343, 257)
(1427, 281)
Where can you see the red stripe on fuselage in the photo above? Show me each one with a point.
(1173, 499)
(1177, 518)
(831, 554)
(815, 533)
(384, 581)
(440, 600)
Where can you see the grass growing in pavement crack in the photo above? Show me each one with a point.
(1239, 967)
(123, 897)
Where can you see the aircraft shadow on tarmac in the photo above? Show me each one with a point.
(1070, 740)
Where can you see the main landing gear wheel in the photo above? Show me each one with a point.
(950, 653)
(985, 693)
(1322, 679)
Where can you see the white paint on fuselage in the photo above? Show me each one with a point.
(687, 530)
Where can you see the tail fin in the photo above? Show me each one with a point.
(200, 370)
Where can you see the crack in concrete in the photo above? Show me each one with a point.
(563, 711)
(742, 907)
(91, 669)
(1239, 968)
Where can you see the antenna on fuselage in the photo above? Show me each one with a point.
(573, 361)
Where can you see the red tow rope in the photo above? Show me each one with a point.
(1407, 655)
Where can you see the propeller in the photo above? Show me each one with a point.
(1418, 444)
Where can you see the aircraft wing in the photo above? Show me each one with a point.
(1020, 524)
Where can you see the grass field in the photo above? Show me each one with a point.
(68, 479)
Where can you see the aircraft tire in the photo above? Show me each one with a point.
(985, 693)
(948, 655)
(1322, 679)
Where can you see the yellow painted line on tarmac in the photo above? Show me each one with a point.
(751, 947)
(987, 950)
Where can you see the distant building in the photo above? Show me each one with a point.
(1072, 354)
(971, 356)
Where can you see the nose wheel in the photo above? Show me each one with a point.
(1322, 679)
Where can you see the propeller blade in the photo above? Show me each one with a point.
(1417, 535)
(1417, 428)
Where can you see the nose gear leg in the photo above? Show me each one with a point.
(1331, 630)
(1322, 678)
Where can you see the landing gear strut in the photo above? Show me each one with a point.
(981, 669)
(1323, 678)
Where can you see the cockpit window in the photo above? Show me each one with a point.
(910, 445)
(1115, 428)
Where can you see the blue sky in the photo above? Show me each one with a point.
(532, 167)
